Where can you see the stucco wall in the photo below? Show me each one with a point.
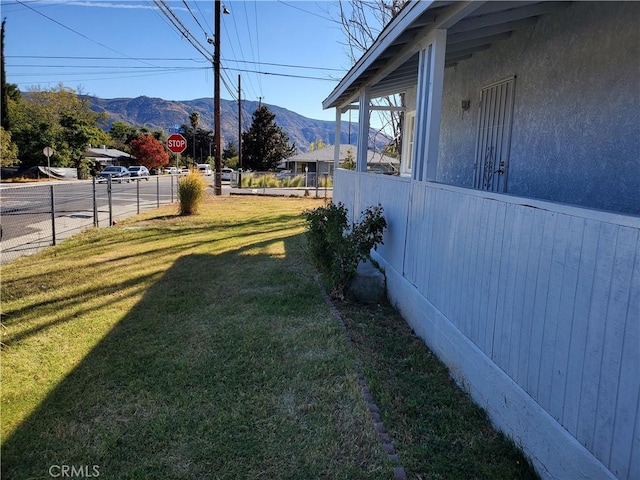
(576, 127)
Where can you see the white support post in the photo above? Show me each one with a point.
(363, 130)
(336, 147)
(429, 106)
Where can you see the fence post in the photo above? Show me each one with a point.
(53, 215)
(110, 201)
(138, 195)
(158, 190)
(326, 181)
(95, 205)
(171, 188)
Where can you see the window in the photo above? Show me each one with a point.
(408, 134)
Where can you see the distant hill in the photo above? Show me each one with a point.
(164, 114)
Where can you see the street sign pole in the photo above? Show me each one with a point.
(177, 144)
(48, 151)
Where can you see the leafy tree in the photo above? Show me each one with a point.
(199, 143)
(121, 135)
(317, 145)
(149, 152)
(58, 118)
(75, 134)
(8, 150)
(265, 144)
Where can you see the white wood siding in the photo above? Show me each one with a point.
(550, 293)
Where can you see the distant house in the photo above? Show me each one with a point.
(104, 156)
(322, 160)
(513, 246)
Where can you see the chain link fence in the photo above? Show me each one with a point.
(33, 217)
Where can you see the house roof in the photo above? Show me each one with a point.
(390, 65)
(326, 154)
(105, 153)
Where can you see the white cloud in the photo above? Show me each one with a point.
(114, 4)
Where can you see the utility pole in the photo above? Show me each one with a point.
(239, 124)
(216, 97)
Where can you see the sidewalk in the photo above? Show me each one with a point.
(284, 192)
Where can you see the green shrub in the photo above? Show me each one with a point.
(326, 181)
(246, 179)
(297, 181)
(336, 248)
(268, 180)
(190, 192)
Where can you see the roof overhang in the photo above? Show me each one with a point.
(390, 65)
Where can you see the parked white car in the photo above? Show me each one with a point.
(139, 172)
(205, 168)
(226, 173)
(171, 170)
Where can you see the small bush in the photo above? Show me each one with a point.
(190, 192)
(336, 248)
(326, 182)
(247, 180)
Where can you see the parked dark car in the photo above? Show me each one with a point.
(139, 171)
(117, 174)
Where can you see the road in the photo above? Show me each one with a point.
(25, 210)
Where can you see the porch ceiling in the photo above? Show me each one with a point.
(391, 63)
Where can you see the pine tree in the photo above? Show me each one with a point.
(265, 145)
(4, 96)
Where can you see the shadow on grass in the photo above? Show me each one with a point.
(230, 366)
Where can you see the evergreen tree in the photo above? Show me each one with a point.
(265, 144)
(230, 150)
(4, 115)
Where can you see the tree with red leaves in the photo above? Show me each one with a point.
(149, 152)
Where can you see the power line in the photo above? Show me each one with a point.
(194, 17)
(72, 30)
(239, 43)
(48, 57)
(181, 28)
(253, 55)
(306, 11)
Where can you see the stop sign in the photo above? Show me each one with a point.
(176, 143)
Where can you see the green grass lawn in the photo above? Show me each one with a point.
(201, 347)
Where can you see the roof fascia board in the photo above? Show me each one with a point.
(506, 16)
(406, 17)
(425, 36)
(450, 17)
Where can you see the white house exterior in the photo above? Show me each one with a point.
(513, 245)
(321, 161)
(108, 156)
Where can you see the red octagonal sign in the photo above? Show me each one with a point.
(176, 143)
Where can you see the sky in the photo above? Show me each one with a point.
(288, 53)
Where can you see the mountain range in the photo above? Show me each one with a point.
(157, 113)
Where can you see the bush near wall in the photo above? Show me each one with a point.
(336, 248)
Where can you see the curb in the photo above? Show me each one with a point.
(398, 471)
